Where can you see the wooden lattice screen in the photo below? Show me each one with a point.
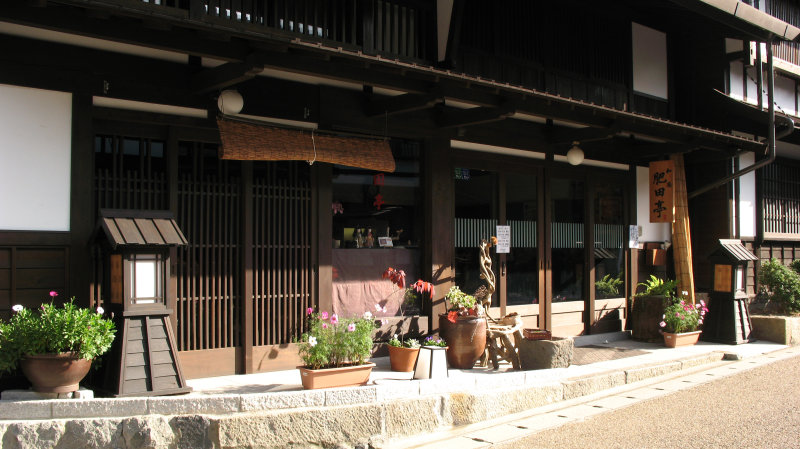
(209, 268)
(129, 173)
(281, 251)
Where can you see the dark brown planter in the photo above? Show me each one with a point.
(466, 339)
(403, 359)
(55, 373)
(646, 314)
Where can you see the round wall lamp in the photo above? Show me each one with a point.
(230, 102)
(575, 154)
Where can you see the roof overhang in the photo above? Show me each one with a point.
(744, 18)
(128, 228)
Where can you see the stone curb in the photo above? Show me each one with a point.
(220, 405)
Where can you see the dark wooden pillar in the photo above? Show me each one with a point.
(322, 197)
(588, 252)
(82, 217)
(439, 216)
(632, 264)
(172, 192)
(247, 266)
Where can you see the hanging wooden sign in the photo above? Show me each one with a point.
(662, 191)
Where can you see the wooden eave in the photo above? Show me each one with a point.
(139, 228)
(249, 50)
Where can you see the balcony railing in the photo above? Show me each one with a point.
(391, 28)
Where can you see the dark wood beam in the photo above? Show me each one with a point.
(454, 118)
(223, 76)
(401, 103)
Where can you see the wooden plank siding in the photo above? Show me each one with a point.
(28, 274)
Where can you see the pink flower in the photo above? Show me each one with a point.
(351, 327)
(324, 315)
(662, 324)
(700, 321)
(683, 302)
(324, 325)
(384, 321)
(677, 314)
(309, 311)
(334, 319)
(53, 294)
(100, 310)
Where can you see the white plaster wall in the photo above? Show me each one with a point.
(35, 142)
(736, 86)
(444, 11)
(651, 232)
(747, 197)
(649, 61)
(785, 95)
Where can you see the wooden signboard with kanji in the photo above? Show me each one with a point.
(662, 191)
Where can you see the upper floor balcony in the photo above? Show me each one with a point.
(395, 29)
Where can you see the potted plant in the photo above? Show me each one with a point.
(335, 351)
(432, 359)
(648, 306)
(464, 329)
(608, 287)
(680, 322)
(54, 346)
(403, 353)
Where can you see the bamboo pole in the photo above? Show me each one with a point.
(681, 239)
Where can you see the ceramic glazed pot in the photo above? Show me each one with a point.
(345, 376)
(682, 339)
(403, 359)
(466, 339)
(55, 373)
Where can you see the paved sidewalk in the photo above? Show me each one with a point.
(513, 427)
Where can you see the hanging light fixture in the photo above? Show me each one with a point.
(230, 102)
(575, 154)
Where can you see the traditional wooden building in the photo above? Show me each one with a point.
(371, 134)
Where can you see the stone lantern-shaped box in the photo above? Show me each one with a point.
(728, 318)
(133, 251)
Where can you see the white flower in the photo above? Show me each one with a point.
(367, 315)
(394, 337)
(685, 293)
(312, 341)
(377, 307)
(384, 321)
(100, 310)
(17, 307)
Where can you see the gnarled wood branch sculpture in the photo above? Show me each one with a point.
(484, 293)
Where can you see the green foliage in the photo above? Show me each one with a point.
(781, 284)
(681, 316)
(458, 300)
(795, 266)
(658, 287)
(53, 330)
(331, 343)
(608, 287)
(411, 343)
(430, 341)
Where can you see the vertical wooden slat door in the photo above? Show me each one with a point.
(282, 263)
(208, 269)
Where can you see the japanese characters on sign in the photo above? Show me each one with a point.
(503, 239)
(662, 191)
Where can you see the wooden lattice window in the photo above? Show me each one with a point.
(780, 183)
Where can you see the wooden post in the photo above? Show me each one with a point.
(439, 215)
(247, 266)
(82, 218)
(322, 174)
(681, 238)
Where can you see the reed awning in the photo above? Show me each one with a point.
(246, 141)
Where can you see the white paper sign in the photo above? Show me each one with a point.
(633, 240)
(503, 239)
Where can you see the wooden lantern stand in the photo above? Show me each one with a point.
(135, 264)
(728, 317)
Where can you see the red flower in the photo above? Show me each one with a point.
(451, 316)
(423, 287)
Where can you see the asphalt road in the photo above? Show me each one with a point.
(758, 408)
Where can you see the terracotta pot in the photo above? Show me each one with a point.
(682, 339)
(403, 359)
(55, 373)
(345, 376)
(466, 339)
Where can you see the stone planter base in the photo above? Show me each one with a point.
(544, 354)
(779, 329)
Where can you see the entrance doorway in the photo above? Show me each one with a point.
(565, 268)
